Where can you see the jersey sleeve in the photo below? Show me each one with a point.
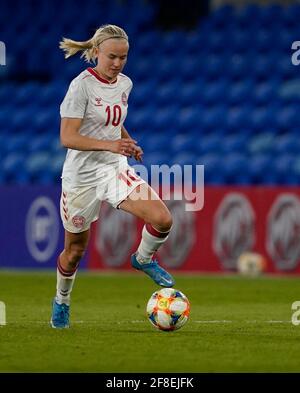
(75, 101)
(130, 86)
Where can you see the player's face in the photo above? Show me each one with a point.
(112, 56)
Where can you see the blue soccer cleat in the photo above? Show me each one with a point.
(60, 315)
(154, 271)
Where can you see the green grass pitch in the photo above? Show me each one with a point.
(236, 325)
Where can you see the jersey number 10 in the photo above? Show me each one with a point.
(117, 113)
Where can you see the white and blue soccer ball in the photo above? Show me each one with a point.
(168, 309)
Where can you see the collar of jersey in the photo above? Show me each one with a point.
(94, 73)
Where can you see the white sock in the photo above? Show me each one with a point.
(152, 239)
(64, 284)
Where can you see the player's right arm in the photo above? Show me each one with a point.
(72, 139)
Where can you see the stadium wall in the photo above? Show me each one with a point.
(265, 220)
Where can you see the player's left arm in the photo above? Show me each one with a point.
(138, 150)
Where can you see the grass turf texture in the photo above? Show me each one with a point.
(236, 325)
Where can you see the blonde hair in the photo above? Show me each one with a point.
(104, 33)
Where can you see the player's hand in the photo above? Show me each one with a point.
(138, 153)
(125, 146)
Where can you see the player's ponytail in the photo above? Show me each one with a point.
(105, 32)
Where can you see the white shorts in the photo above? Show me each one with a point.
(80, 206)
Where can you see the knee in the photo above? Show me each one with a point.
(162, 221)
(74, 255)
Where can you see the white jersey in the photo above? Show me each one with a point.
(103, 108)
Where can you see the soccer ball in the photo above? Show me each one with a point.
(168, 309)
(251, 264)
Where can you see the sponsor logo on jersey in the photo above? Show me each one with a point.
(233, 231)
(78, 221)
(124, 99)
(283, 232)
(98, 101)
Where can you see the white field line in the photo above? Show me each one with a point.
(203, 322)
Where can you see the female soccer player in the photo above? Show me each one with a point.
(96, 169)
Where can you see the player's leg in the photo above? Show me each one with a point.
(143, 202)
(67, 264)
(79, 207)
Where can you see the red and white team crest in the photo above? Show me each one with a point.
(78, 221)
(98, 101)
(124, 99)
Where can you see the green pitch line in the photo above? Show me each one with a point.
(236, 325)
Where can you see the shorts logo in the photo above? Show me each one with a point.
(78, 221)
(124, 99)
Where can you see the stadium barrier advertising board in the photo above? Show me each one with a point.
(234, 220)
(30, 229)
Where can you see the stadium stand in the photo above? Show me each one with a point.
(219, 94)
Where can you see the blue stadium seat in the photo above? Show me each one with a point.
(213, 118)
(26, 94)
(213, 67)
(288, 117)
(20, 122)
(190, 93)
(40, 142)
(234, 143)
(213, 168)
(265, 92)
(155, 158)
(182, 143)
(238, 66)
(167, 69)
(211, 92)
(240, 92)
(142, 94)
(16, 143)
(237, 118)
(164, 119)
(283, 165)
(166, 93)
(262, 143)
(224, 92)
(153, 142)
(208, 144)
(261, 169)
(261, 119)
(193, 42)
(236, 168)
(286, 143)
(189, 120)
(184, 158)
(13, 164)
(37, 164)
